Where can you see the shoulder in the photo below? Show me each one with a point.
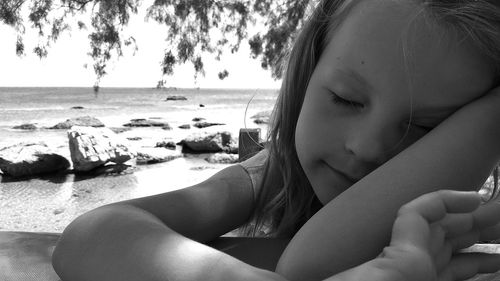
(255, 168)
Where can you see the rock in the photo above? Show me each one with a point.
(94, 147)
(27, 127)
(185, 126)
(206, 143)
(85, 121)
(176, 98)
(166, 127)
(59, 211)
(28, 159)
(222, 158)
(146, 123)
(206, 124)
(261, 120)
(262, 114)
(134, 138)
(198, 119)
(152, 155)
(168, 145)
(202, 105)
(118, 130)
(78, 107)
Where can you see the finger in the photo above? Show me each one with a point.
(457, 224)
(410, 229)
(443, 257)
(464, 241)
(487, 215)
(490, 233)
(434, 206)
(465, 266)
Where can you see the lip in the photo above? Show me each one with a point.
(345, 176)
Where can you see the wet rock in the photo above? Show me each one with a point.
(78, 107)
(206, 143)
(261, 120)
(222, 158)
(134, 138)
(198, 119)
(119, 130)
(94, 147)
(153, 155)
(206, 124)
(147, 123)
(185, 126)
(202, 105)
(85, 121)
(176, 98)
(29, 159)
(168, 145)
(27, 127)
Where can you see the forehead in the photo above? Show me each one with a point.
(399, 50)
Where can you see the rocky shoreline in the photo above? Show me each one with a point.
(97, 149)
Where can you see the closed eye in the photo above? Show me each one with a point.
(344, 102)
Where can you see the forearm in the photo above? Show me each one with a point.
(125, 243)
(354, 227)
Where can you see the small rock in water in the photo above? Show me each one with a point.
(206, 143)
(198, 119)
(146, 123)
(119, 130)
(153, 155)
(78, 107)
(27, 127)
(134, 138)
(206, 124)
(176, 98)
(202, 105)
(168, 145)
(85, 121)
(185, 126)
(166, 127)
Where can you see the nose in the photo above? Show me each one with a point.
(374, 141)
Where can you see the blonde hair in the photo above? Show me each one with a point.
(288, 201)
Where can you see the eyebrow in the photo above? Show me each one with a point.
(356, 77)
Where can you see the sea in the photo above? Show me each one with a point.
(49, 203)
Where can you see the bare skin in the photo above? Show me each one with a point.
(163, 237)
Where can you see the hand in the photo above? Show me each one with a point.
(429, 232)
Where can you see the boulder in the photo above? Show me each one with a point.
(176, 98)
(152, 155)
(27, 127)
(85, 121)
(94, 147)
(166, 144)
(147, 123)
(28, 159)
(206, 124)
(206, 143)
(222, 158)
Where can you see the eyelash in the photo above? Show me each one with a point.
(343, 102)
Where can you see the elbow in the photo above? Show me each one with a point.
(78, 240)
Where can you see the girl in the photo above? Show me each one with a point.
(383, 101)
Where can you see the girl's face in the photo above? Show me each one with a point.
(356, 110)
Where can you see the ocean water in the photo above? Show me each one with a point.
(50, 203)
(46, 107)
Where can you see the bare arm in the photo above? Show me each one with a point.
(459, 154)
(155, 238)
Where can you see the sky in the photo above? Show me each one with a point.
(64, 65)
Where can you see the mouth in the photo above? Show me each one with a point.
(343, 175)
